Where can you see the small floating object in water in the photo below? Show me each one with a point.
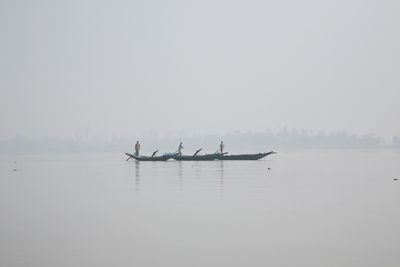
(395, 179)
(269, 168)
(15, 170)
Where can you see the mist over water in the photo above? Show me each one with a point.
(316, 81)
(128, 67)
(295, 208)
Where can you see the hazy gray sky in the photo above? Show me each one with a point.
(128, 67)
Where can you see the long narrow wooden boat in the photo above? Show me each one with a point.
(196, 157)
(207, 157)
(164, 157)
(245, 156)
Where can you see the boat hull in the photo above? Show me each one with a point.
(245, 156)
(207, 157)
(144, 158)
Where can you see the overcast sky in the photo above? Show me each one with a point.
(129, 67)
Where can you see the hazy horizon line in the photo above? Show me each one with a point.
(235, 142)
(85, 134)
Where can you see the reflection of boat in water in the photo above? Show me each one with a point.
(244, 156)
(195, 157)
(164, 157)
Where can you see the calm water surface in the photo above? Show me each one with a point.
(311, 208)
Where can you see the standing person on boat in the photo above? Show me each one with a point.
(137, 148)
(221, 147)
(180, 147)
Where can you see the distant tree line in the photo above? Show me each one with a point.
(396, 140)
(235, 142)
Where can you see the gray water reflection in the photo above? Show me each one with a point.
(137, 175)
(180, 176)
(311, 208)
(221, 178)
(202, 178)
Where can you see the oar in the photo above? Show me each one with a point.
(197, 152)
(154, 153)
(127, 155)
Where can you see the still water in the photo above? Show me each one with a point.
(295, 208)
